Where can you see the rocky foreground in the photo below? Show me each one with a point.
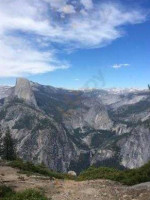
(72, 190)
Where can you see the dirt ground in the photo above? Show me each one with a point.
(72, 190)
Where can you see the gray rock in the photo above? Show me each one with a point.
(24, 91)
(72, 173)
(71, 130)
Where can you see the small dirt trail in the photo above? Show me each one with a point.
(72, 190)
(102, 190)
(19, 182)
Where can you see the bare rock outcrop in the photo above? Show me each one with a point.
(24, 91)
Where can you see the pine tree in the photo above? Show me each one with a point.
(8, 149)
(1, 145)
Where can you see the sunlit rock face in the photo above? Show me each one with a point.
(24, 91)
(136, 149)
(71, 130)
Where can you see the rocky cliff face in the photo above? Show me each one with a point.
(71, 130)
(5, 91)
(24, 91)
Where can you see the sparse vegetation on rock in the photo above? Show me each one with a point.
(6, 193)
(29, 168)
(127, 177)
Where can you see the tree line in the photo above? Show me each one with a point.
(7, 146)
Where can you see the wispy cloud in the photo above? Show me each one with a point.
(56, 4)
(117, 66)
(88, 4)
(67, 9)
(18, 59)
(29, 28)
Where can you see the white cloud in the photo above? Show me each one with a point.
(84, 12)
(117, 66)
(88, 4)
(28, 29)
(57, 4)
(21, 59)
(67, 9)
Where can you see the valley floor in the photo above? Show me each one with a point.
(72, 190)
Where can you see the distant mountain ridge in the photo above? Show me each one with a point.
(73, 129)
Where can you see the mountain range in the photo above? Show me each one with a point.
(74, 129)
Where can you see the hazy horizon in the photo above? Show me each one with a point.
(84, 87)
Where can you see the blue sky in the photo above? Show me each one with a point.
(76, 44)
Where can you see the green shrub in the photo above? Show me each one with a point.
(98, 173)
(5, 191)
(28, 167)
(127, 177)
(26, 195)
